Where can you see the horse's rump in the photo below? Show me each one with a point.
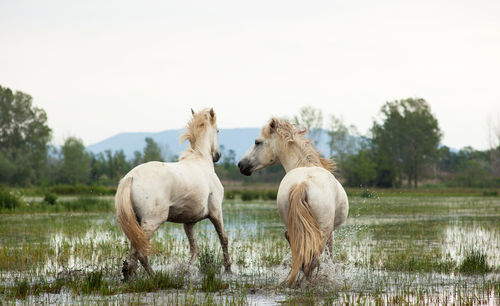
(127, 218)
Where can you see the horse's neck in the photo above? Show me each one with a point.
(201, 155)
(291, 158)
(201, 149)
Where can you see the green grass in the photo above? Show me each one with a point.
(9, 200)
(91, 283)
(51, 204)
(158, 281)
(414, 260)
(210, 265)
(393, 250)
(475, 262)
(423, 192)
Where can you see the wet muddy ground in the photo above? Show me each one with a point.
(422, 250)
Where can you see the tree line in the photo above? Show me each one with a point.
(401, 149)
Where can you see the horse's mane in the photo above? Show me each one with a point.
(195, 128)
(311, 157)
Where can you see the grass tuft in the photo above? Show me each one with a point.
(21, 289)
(367, 193)
(474, 263)
(158, 281)
(94, 282)
(210, 265)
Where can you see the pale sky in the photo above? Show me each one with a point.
(99, 68)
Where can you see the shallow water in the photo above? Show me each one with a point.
(391, 249)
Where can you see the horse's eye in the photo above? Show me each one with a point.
(217, 130)
(258, 142)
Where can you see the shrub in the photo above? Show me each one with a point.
(367, 194)
(87, 204)
(490, 193)
(229, 195)
(9, 200)
(270, 195)
(50, 198)
(102, 190)
(82, 189)
(249, 195)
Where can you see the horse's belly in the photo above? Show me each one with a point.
(187, 213)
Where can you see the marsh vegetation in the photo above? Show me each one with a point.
(392, 250)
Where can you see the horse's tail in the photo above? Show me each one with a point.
(127, 218)
(306, 238)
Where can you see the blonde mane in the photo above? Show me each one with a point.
(290, 135)
(195, 130)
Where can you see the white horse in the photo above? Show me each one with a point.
(182, 192)
(311, 202)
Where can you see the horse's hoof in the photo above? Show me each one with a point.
(125, 271)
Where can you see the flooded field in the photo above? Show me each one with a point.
(393, 250)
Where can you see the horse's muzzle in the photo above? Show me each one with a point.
(245, 168)
(216, 156)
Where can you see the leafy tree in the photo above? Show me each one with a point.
(53, 166)
(473, 174)
(228, 158)
(137, 159)
(467, 168)
(24, 137)
(98, 169)
(152, 151)
(231, 157)
(7, 169)
(75, 167)
(119, 165)
(360, 169)
(405, 141)
(311, 119)
(108, 168)
(342, 141)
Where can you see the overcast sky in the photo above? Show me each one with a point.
(99, 68)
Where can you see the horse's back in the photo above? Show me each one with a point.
(325, 195)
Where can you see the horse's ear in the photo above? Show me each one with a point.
(272, 125)
(192, 111)
(212, 115)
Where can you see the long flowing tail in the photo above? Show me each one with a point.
(306, 238)
(127, 219)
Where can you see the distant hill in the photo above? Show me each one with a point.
(239, 140)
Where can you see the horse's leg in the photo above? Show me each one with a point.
(130, 267)
(149, 227)
(145, 263)
(329, 244)
(219, 227)
(193, 245)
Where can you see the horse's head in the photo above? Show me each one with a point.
(264, 152)
(203, 133)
